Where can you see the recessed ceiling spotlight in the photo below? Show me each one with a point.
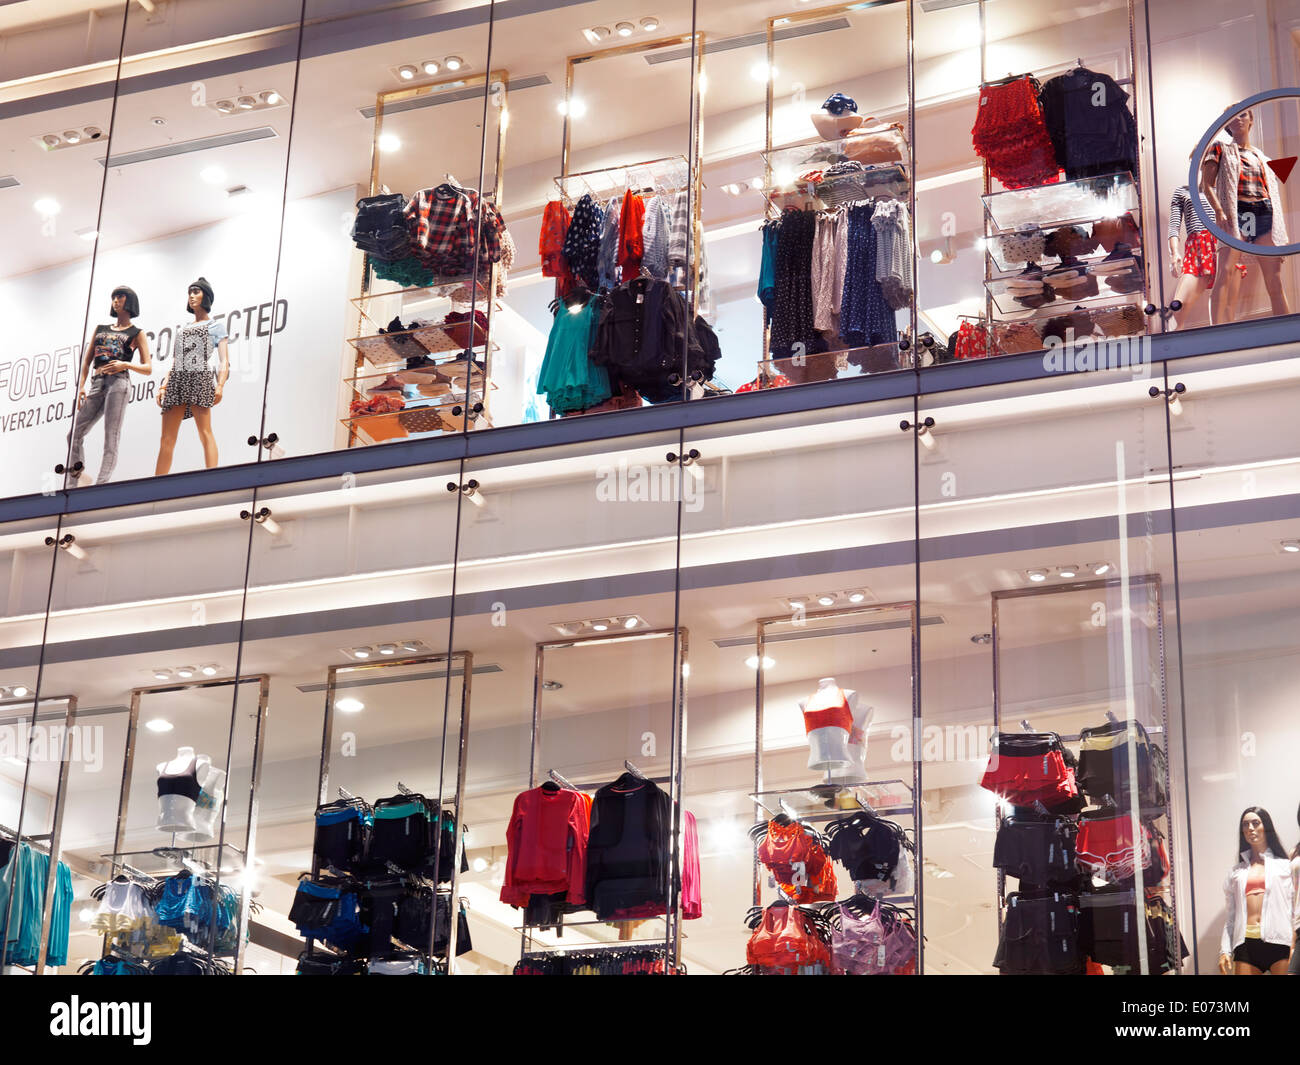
(361, 652)
(72, 136)
(624, 29)
(387, 649)
(431, 66)
(406, 73)
(479, 864)
(454, 62)
(631, 623)
(271, 98)
(50, 140)
(982, 638)
(826, 600)
(162, 674)
(158, 724)
(47, 206)
(650, 24)
(1291, 547)
(857, 597)
(752, 662)
(185, 672)
(209, 670)
(20, 691)
(247, 103)
(596, 34)
(348, 705)
(226, 107)
(1099, 569)
(600, 626)
(796, 601)
(410, 647)
(213, 175)
(1068, 571)
(389, 142)
(1037, 575)
(93, 132)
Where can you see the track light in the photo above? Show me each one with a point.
(264, 519)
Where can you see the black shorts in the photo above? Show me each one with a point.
(1260, 954)
(1255, 220)
(1040, 936)
(1036, 851)
(340, 845)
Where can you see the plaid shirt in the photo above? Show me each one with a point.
(443, 223)
(681, 227)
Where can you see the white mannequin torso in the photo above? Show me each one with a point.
(176, 812)
(208, 809)
(828, 746)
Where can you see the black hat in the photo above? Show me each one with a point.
(132, 301)
(204, 286)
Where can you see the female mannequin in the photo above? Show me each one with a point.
(109, 355)
(828, 718)
(856, 773)
(1259, 897)
(189, 389)
(207, 811)
(1247, 200)
(1194, 265)
(179, 790)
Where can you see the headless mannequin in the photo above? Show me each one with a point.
(862, 715)
(176, 812)
(208, 809)
(828, 743)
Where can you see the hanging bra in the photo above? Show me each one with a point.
(828, 708)
(186, 782)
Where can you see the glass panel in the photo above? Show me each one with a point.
(392, 105)
(1239, 564)
(839, 160)
(798, 585)
(575, 132)
(144, 633)
(348, 600)
(1048, 569)
(57, 127)
(1205, 61)
(565, 586)
(193, 202)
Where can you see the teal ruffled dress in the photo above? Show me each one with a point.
(568, 379)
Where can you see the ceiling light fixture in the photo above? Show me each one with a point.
(826, 600)
(631, 623)
(185, 672)
(982, 638)
(389, 142)
(574, 108)
(1291, 547)
(387, 649)
(162, 674)
(47, 206)
(247, 103)
(411, 646)
(600, 626)
(762, 71)
(551, 685)
(407, 72)
(454, 62)
(348, 705)
(270, 97)
(213, 175)
(752, 662)
(1037, 575)
(50, 140)
(650, 24)
(479, 864)
(624, 29)
(209, 670)
(226, 107)
(158, 724)
(72, 136)
(596, 34)
(857, 597)
(431, 66)
(1068, 571)
(361, 652)
(1099, 569)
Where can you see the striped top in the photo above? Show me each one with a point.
(1181, 212)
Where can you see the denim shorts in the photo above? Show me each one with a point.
(1255, 219)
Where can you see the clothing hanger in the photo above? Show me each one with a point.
(1006, 81)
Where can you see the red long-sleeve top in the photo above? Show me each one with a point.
(547, 846)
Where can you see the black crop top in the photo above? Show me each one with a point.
(186, 782)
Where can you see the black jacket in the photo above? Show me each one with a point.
(646, 340)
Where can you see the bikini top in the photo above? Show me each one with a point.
(787, 844)
(186, 782)
(828, 708)
(869, 944)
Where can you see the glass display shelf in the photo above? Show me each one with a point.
(1104, 300)
(1064, 203)
(385, 349)
(826, 802)
(442, 288)
(1121, 277)
(161, 862)
(416, 419)
(1011, 267)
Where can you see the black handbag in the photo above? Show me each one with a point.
(380, 228)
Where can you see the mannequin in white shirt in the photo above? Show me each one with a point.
(830, 715)
(1259, 902)
(176, 810)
